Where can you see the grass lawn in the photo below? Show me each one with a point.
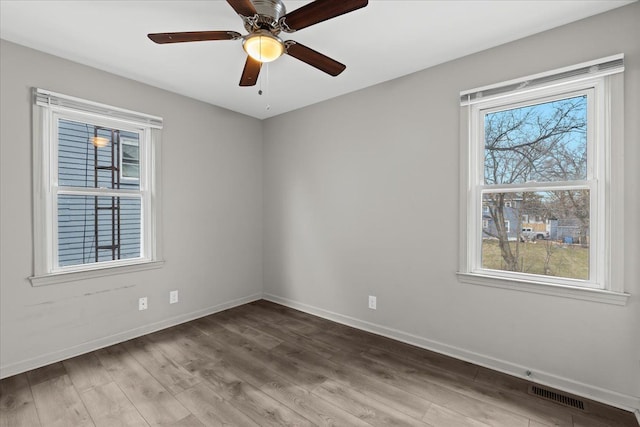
(570, 261)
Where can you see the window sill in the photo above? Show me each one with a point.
(63, 277)
(588, 294)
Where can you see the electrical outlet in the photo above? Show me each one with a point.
(173, 297)
(372, 302)
(142, 303)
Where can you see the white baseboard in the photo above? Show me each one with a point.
(609, 397)
(57, 356)
(637, 412)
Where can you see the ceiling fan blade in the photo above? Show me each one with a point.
(314, 58)
(318, 11)
(243, 7)
(251, 72)
(193, 36)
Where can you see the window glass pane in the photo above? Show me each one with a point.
(130, 152)
(115, 235)
(89, 155)
(554, 241)
(130, 159)
(130, 171)
(542, 142)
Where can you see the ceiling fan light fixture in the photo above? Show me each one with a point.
(263, 46)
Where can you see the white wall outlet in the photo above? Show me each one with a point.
(173, 297)
(372, 302)
(142, 303)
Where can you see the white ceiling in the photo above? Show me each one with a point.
(385, 40)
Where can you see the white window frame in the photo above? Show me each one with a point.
(49, 108)
(603, 83)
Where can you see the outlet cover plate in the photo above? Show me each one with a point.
(173, 297)
(372, 302)
(142, 303)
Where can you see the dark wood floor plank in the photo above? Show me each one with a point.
(108, 407)
(442, 417)
(46, 373)
(470, 407)
(285, 335)
(212, 409)
(243, 364)
(168, 372)
(183, 345)
(309, 405)
(149, 397)
(255, 334)
(86, 372)
(254, 403)
(17, 408)
(256, 360)
(188, 421)
(384, 393)
(293, 324)
(508, 400)
(363, 407)
(59, 404)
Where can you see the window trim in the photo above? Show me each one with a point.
(608, 85)
(48, 108)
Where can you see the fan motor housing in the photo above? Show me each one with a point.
(269, 12)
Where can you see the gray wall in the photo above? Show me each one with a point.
(212, 206)
(361, 198)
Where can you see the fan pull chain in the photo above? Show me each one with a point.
(268, 106)
(261, 78)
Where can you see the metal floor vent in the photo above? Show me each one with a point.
(556, 397)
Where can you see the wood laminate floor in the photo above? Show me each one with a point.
(263, 364)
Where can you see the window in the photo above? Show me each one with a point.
(130, 159)
(544, 147)
(95, 192)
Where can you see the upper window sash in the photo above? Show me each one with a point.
(143, 137)
(590, 89)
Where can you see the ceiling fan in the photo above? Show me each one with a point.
(264, 20)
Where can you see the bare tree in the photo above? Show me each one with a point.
(544, 142)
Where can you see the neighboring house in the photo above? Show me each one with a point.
(567, 230)
(511, 223)
(564, 229)
(116, 233)
(515, 219)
